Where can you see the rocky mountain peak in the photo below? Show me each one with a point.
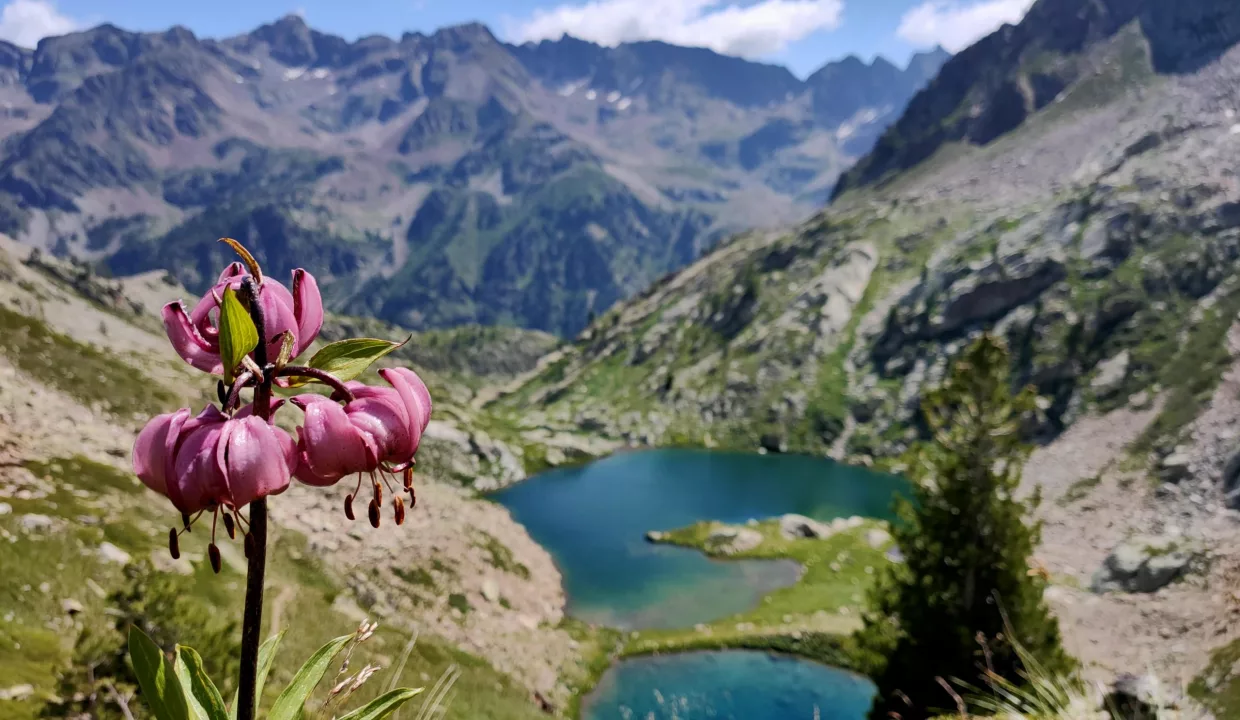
(460, 38)
(289, 41)
(994, 86)
(926, 64)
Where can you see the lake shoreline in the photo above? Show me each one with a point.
(783, 593)
(825, 645)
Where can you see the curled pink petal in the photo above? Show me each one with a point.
(150, 452)
(384, 426)
(189, 344)
(330, 447)
(234, 270)
(253, 459)
(172, 442)
(398, 377)
(307, 309)
(199, 479)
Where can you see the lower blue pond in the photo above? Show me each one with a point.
(731, 685)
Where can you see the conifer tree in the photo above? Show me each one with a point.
(944, 615)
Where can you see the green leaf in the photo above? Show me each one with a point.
(384, 705)
(266, 656)
(160, 688)
(288, 706)
(238, 336)
(346, 359)
(205, 702)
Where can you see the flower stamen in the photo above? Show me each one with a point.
(374, 514)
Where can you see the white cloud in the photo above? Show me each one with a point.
(755, 29)
(956, 25)
(26, 22)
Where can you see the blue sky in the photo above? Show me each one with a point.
(802, 34)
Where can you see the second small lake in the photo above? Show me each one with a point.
(593, 520)
(734, 685)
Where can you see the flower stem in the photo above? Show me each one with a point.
(321, 375)
(252, 619)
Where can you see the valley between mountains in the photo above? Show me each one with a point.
(1068, 183)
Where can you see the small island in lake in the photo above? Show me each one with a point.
(813, 617)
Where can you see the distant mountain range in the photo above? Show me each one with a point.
(430, 180)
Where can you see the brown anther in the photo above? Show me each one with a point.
(378, 494)
(230, 527)
(213, 552)
(413, 498)
(174, 547)
(249, 545)
(408, 478)
(399, 506)
(185, 521)
(348, 506)
(374, 514)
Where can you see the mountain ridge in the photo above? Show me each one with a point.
(434, 180)
(995, 85)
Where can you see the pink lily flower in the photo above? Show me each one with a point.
(195, 335)
(380, 428)
(214, 460)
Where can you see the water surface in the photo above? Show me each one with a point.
(593, 520)
(732, 685)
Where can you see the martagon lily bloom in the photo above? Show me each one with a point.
(378, 430)
(230, 457)
(213, 461)
(195, 335)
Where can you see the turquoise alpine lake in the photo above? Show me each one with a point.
(593, 520)
(736, 685)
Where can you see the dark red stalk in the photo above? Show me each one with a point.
(252, 619)
(321, 375)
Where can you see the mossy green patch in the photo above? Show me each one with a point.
(1192, 373)
(1080, 489)
(1218, 687)
(415, 576)
(599, 647)
(500, 557)
(458, 601)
